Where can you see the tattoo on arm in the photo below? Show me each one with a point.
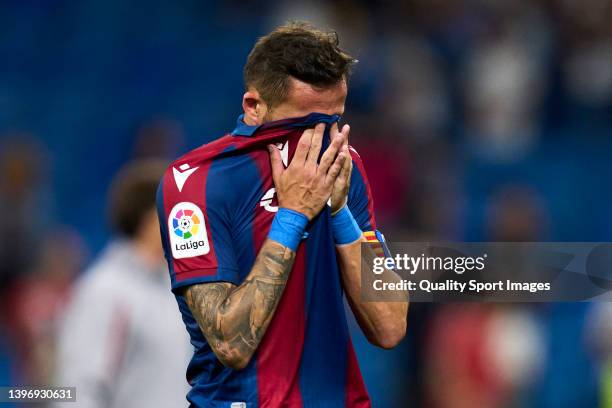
(235, 318)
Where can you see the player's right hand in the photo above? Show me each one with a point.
(305, 185)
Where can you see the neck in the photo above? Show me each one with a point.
(250, 121)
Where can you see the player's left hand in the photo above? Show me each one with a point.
(341, 186)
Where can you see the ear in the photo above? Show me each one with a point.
(255, 109)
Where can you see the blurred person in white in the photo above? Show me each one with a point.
(122, 343)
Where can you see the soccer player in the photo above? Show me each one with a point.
(259, 261)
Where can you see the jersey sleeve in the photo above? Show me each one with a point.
(360, 199)
(195, 225)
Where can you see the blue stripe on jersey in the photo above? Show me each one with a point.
(247, 184)
(326, 312)
(235, 179)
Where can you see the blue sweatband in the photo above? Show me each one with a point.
(344, 227)
(288, 227)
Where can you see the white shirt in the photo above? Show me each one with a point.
(123, 343)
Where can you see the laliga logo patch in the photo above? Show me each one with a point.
(187, 231)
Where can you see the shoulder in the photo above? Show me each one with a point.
(193, 166)
(219, 178)
(207, 151)
(204, 153)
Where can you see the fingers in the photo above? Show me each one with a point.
(276, 163)
(348, 164)
(330, 153)
(333, 131)
(346, 129)
(315, 146)
(345, 173)
(309, 148)
(335, 169)
(303, 147)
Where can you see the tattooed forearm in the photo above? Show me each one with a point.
(382, 322)
(235, 318)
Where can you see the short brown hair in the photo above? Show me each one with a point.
(133, 193)
(299, 50)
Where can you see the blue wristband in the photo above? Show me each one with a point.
(288, 227)
(344, 227)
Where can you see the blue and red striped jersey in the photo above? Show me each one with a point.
(216, 206)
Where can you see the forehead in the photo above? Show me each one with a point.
(308, 98)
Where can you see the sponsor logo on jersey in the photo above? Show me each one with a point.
(188, 237)
(182, 174)
(268, 197)
(266, 201)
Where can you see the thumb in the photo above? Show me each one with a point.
(276, 162)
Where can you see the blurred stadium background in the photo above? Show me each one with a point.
(477, 120)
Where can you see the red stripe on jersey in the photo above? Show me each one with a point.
(357, 160)
(279, 353)
(356, 393)
(195, 273)
(194, 190)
